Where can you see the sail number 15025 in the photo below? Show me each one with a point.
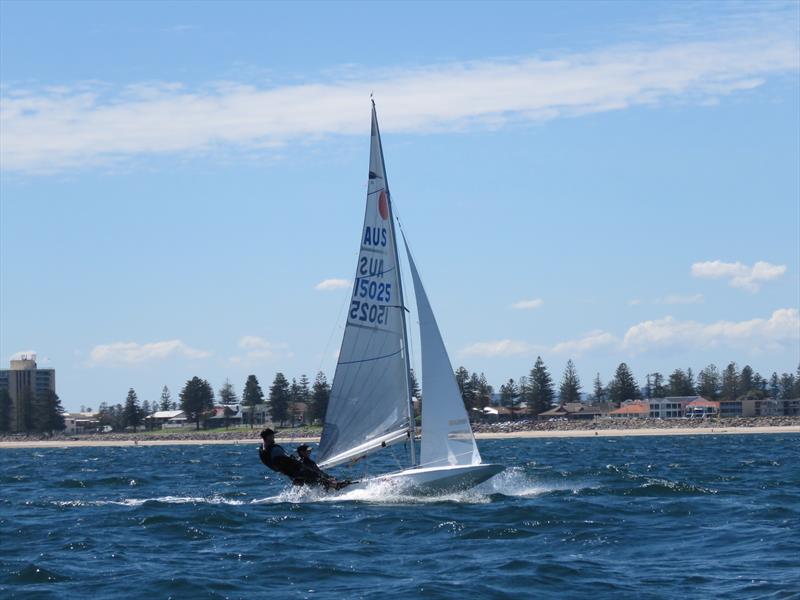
(370, 313)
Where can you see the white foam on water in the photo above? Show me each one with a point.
(515, 482)
(162, 499)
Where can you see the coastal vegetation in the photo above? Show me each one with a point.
(300, 400)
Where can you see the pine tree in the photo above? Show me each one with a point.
(305, 389)
(787, 385)
(166, 400)
(623, 386)
(132, 414)
(294, 398)
(320, 394)
(5, 410)
(708, 382)
(509, 396)
(416, 391)
(659, 391)
(50, 413)
(471, 392)
(730, 383)
(541, 388)
(227, 395)
(648, 388)
(570, 388)
(774, 386)
(598, 390)
(746, 380)
(253, 396)
(485, 392)
(197, 397)
(279, 397)
(680, 384)
(462, 380)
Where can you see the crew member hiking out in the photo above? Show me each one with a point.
(278, 460)
(304, 452)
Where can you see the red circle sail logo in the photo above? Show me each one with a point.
(383, 206)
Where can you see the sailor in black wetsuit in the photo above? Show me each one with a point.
(274, 457)
(314, 472)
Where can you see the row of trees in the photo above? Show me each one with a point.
(34, 414)
(197, 398)
(539, 392)
(537, 389)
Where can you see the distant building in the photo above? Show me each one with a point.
(82, 422)
(631, 408)
(24, 376)
(750, 407)
(166, 419)
(258, 413)
(575, 410)
(218, 418)
(789, 408)
(702, 408)
(670, 407)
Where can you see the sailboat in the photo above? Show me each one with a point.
(370, 405)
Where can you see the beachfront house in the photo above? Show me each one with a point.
(229, 415)
(166, 419)
(631, 409)
(670, 407)
(749, 407)
(573, 411)
(82, 422)
(702, 408)
(258, 415)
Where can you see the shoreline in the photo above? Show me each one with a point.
(565, 433)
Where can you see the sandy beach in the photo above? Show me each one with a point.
(570, 433)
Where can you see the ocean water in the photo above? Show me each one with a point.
(646, 517)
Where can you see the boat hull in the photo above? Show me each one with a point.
(436, 480)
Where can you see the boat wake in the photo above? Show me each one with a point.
(514, 482)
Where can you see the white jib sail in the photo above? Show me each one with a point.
(368, 406)
(447, 437)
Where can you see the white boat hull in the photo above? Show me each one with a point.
(434, 480)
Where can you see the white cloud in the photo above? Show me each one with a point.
(634, 302)
(781, 328)
(681, 299)
(590, 341)
(738, 275)
(259, 350)
(131, 353)
(497, 348)
(30, 354)
(528, 304)
(65, 127)
(327, 285)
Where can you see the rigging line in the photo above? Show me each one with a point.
(412, 353)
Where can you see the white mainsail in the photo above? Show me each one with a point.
(447, 437)
(369, 401)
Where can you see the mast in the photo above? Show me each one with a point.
(411, 418)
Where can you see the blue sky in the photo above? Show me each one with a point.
(604, 182)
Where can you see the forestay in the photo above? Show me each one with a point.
(447, 437)
(369, 401)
